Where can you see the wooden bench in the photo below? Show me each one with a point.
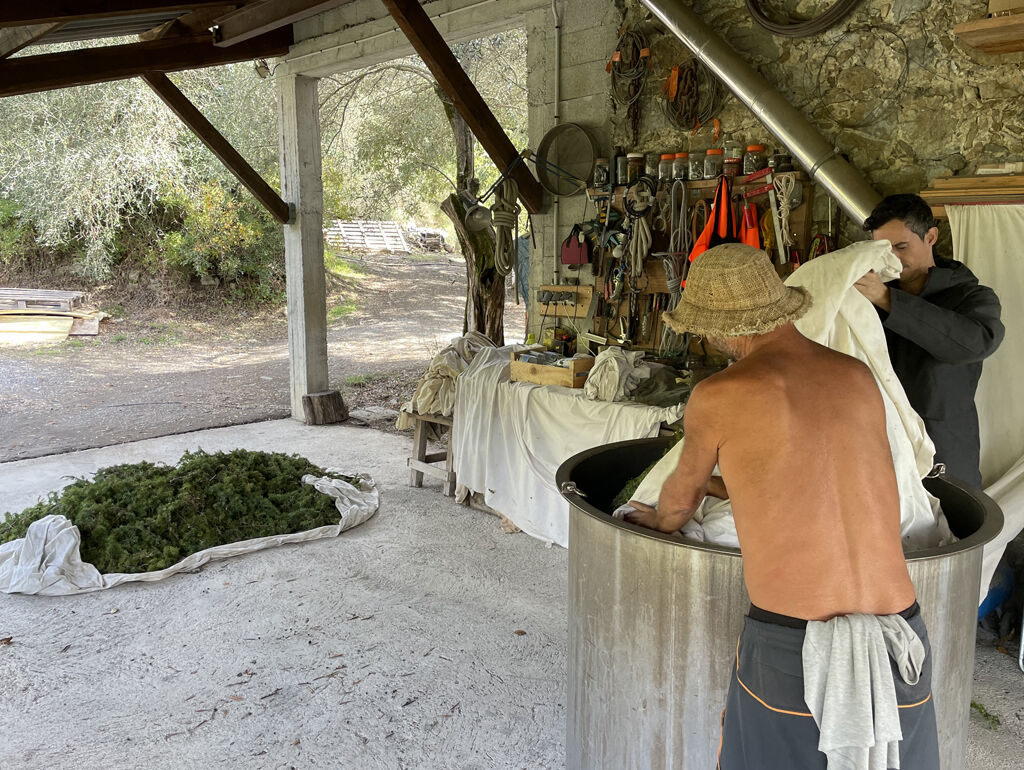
(430, 463)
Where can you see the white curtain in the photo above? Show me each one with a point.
(990, 241)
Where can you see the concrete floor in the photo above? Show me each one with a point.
(392, 646)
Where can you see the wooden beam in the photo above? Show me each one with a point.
(43, 11)
(28, 74)
(13, 39)
(262, 17)
(196, 23)
(217, 144)
(421, 32)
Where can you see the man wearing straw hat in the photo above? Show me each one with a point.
(833, 667)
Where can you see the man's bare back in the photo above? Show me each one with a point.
(799, 434)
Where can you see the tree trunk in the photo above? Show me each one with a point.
(485, 289)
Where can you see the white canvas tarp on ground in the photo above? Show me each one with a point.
(47, 560)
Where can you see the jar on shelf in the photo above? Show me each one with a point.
(781, 162)
(665, 168)
(621, 170)
(681, 166)
(732, 167)
(695, 168)
(733, 150)
(634, 166)
(651, 165)
(601, 172)
(713, 162)
(754, 159)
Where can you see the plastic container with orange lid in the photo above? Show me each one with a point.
(713, 160)
(754, 159)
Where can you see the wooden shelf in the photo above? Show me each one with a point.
(1006, 188)
(999, 34)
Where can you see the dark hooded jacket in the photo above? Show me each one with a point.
(937, 341)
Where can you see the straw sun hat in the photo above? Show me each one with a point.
(733, 290)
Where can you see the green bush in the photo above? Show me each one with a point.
(17, 237)
(144, 517)
(221, 233)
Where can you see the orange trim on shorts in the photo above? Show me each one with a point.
(752, 695)
(919, 703)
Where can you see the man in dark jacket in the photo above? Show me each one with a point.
(940, 324)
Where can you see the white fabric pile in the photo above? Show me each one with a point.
(47, 560)
(509, 438)
(616, 375)
(435, 392)
(844, 320)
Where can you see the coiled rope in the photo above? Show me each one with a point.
(505, 216)
(803, 27)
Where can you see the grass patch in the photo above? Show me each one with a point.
(340, 266)
(76, 344)
(119, 338)
(346, 308)
(991, 719)
(115, 311)
(143, 517)
(362, 380)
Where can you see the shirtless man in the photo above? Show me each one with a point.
(798, 432)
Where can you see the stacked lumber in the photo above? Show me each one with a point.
(1007, 188)
(34, 316)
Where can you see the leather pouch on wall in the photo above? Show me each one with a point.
(575, 248)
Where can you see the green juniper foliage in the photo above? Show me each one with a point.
(626, 494)
(143, 517)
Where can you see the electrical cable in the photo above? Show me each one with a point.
(803, 27)
(891, 97)
(628, 68)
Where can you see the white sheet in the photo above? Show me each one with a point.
(989, 239)
(47, 560)
(844, 320)
(435, 392)
(510, 438)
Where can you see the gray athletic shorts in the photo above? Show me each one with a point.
(766, 724)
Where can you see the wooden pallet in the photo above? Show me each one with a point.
(362, 234)
(51, 299)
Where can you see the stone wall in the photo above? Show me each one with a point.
(891, 87)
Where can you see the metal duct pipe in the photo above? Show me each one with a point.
(853, 193)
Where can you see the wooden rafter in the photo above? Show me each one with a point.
(432, 48)
(45, 11)
(217, 144)
(14, 39)
(27, 74)
(197, 22)
(261, 17)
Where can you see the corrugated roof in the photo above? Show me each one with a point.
(115, 26)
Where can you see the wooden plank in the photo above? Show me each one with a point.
(13, 39)
(23, 330)
(260, 17)
(979, 182)
(1001, 34)
(428, 43)
(218, 145)
(44, 72)
(43, 11)
(84, 327)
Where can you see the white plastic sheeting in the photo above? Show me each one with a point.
(988, 239)
(844, 320)
(47, 560)
(510, 438)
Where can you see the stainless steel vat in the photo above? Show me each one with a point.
(654, 619)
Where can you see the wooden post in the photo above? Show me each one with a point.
(302, 187)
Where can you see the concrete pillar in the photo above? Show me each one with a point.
(302, 187)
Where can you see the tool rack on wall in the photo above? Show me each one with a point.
(642, 312)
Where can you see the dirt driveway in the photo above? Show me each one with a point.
(173, 375)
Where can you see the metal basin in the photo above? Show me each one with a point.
(654, 619)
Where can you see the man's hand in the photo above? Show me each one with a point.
(871, 286)
(643, 516)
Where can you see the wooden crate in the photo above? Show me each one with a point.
(573, 376)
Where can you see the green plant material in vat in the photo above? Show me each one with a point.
(626, 494)
(144, 517)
